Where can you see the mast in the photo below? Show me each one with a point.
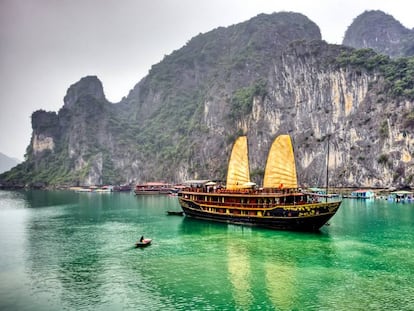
(327, 171)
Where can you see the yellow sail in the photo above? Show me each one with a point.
(280, 169)
(238, 175)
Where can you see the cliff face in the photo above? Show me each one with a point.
(71, 145)
(268, 76)
(380, 32)
(311, 98)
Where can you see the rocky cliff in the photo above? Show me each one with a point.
(264, 77)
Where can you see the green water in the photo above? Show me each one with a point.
(74, 251)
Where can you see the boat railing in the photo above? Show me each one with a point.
(219, 190)
(237, 205)
(254, 205)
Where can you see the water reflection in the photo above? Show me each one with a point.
(238, 265)
(280, 282)
(271, 268)
(192, 226)
(13, 218)
(65, 255)
(43, 198)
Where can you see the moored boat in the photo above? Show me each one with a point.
(153, 188)
(401, 196)
(123, 188)
(361, 194)
(279, 204)
(176, 213)
(321, 193)
(104, 189)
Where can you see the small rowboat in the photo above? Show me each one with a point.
(177, 213)
(143, 243)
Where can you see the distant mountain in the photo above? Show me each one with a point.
(380, 32)
(6, 163)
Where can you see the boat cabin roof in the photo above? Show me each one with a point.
(196, 181)
(153, 184)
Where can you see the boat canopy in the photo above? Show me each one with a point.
(317, 190)
(238, 174)
(280, 169)
(196, 181)
(402, 192)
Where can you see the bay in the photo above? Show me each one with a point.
(62, 250)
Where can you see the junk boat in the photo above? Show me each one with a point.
(278, 205)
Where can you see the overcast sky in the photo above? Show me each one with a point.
(47, 45)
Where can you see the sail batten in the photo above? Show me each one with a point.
(280, 169)
(238, 174)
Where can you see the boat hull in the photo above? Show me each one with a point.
(286, 221)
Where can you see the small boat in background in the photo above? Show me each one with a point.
(143, 242)
(104, 189)
(401, 196)
(152, 188)
(361, 194)
(124, 187)
(318, 192)
(177, 213)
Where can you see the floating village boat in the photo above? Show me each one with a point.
(153, 188)
(401, 196)
(123, 188)
(361, 194)
(278, 205)
(321, 193)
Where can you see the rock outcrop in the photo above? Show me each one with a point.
(380, 32)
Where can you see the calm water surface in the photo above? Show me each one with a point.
(74, 251)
